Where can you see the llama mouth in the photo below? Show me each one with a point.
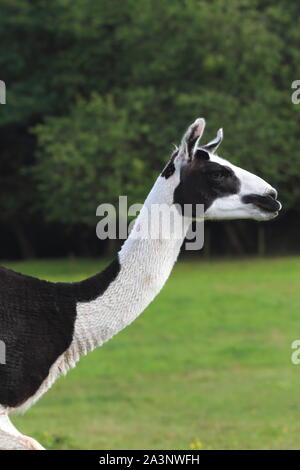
(265, 203)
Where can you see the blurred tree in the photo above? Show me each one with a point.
(110, 85)
(87, 157)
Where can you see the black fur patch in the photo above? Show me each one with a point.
(89, 289)
(191, 144)
(201, 154)
(169, 169)
(36, 324)
(203, 181)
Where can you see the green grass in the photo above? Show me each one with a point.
(209, 361)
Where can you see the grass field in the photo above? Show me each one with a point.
(207, 365)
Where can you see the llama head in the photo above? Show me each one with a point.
(227, 191)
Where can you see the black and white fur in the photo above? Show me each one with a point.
(47, 326)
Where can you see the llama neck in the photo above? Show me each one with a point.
(145, 265)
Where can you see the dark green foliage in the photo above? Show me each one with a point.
(99, 91)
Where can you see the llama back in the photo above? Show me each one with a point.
(36, 325)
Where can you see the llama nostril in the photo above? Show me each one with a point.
(272, 193)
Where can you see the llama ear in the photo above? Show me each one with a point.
(191, 138)
(214, 144)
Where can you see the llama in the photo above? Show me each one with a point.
(47, 326)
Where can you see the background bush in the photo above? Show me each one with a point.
(97, 92)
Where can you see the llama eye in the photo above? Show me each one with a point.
(217, 175)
